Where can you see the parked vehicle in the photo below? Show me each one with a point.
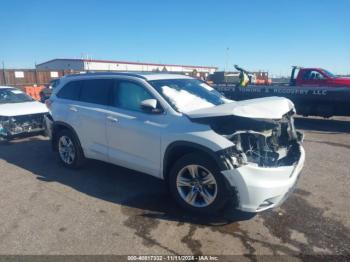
(208, 149)
(317, 77)
(19, 114)
(47, 91)
(314, 92)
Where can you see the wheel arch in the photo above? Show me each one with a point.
(59, 126)
(179, 148)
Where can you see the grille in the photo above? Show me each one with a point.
(26, 123)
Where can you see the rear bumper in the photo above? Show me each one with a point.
(261, 188)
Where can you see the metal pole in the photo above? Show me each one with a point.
(35, 76)
(3, 72)
(227, 58)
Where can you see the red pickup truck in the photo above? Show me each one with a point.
(314, 91)
(316, 77)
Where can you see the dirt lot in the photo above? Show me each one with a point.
(104, 209)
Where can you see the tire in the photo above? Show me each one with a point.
(216, 191)
(73, 157)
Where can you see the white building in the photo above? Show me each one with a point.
(105, 65)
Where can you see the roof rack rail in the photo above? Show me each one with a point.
(108, 74)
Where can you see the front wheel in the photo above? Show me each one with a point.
(197, 185)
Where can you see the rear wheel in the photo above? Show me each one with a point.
(69, 150)
(197, 185)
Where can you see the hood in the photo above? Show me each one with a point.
(260, 108)
(25, 108)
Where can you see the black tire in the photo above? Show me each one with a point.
(222, 194)
(79, 158)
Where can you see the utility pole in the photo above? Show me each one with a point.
(36, 75)
(3, 72)
(227, 58)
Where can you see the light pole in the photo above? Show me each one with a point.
(3, 72)
(227, 58)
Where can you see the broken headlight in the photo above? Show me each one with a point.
(4, 125)
(232, 158)
(17, 127)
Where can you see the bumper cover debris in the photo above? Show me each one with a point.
(11, 127)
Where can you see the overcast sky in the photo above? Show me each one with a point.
(269, 35)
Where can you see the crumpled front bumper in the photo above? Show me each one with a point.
(261, 188)
(16, 126)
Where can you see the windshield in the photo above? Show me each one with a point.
(186, 95)
(11, 95)
(329, 74)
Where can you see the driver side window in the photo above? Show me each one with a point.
(129, 95)
(312, 75)
(318, 76)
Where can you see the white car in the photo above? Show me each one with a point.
(208, 148)
(20, 114)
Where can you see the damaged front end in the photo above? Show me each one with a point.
(261, 142)
(13, 126)
(265, 161)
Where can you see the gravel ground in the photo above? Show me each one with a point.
(104, 209)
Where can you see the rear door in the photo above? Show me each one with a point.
(134, 135)
(68, 100)
(92, 109)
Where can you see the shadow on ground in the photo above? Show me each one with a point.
(323, 125)
(144, 201)
(145, 194)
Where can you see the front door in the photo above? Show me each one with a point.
(134, 136)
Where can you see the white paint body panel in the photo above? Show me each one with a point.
(257, 184)
(91, 126)
(264, 108)
(134, 139)
(20, 109)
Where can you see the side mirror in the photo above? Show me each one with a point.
(150, 106)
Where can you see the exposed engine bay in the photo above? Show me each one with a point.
(17, 125)
(264, 142)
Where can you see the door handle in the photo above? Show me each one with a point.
(74, 109)
(112, 119)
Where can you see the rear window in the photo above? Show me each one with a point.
(96, 91)
(70, 91)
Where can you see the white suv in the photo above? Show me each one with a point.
(208, 148)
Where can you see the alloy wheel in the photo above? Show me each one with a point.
(196, 185)
(66, 150)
